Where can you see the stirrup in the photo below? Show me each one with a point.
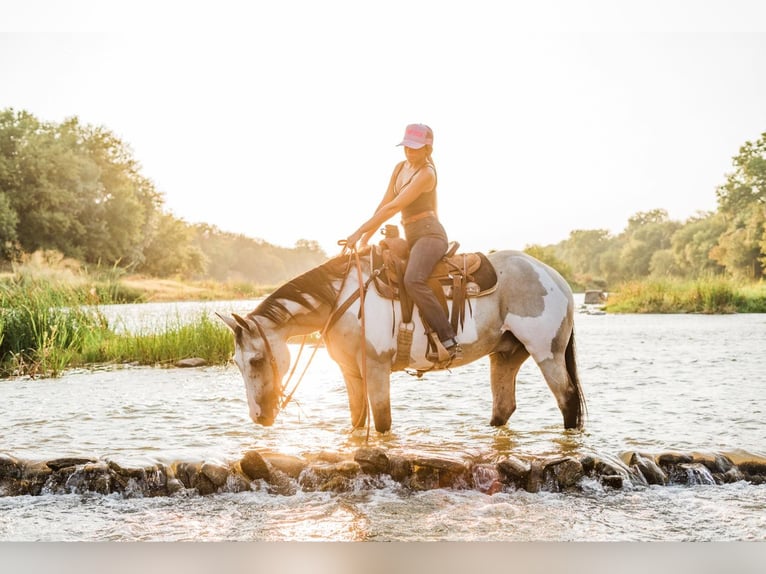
(440, 355)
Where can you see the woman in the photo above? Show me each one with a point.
(412, 191)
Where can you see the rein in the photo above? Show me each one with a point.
(335, 313)
(333, 316)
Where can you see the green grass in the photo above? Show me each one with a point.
(712, 295)
(47, 326)
(202, 337)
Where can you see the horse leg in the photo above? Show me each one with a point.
(503, 368)
(357, 402)
(560, 373)
(379, 393)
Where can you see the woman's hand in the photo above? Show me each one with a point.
(352, 239)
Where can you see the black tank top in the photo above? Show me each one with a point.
(426, 201)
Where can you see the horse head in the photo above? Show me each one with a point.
(262, 362)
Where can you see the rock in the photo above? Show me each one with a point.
(612, 480)
(588, 463)
(61, 463)
(204, 485)
(651, 472)
(10, 467)
(187, 472)
(754, 472)
(236, 483)
(292, 466)
(372, 461)
(429, 473)
(562, 474)
(174, 486)
(534, 481)
(280, 483)
(254, 466)
(594, 297)
(399, 468)
(191, 362)
(216, 473)
(486, 478)
(36, 474)
(346, 468)
(673, 458)
(514, 471)
(336, 477)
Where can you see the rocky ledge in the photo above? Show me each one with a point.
(370, 468)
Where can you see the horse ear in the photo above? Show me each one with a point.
(230, 322)
(244, 323)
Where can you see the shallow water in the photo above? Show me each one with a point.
(653, 383)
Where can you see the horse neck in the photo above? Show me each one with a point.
(304, 304)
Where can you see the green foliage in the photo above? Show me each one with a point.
(43, 326)
(73, 188)
(234, 257)
(742, 203)
(47, 326)
(203, 337)
(548, 256)
(712, 295)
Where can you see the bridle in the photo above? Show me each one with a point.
(335, 313)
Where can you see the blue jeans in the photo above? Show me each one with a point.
(425, 253)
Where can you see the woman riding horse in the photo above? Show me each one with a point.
(412, 191)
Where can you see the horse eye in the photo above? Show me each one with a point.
(256, 363)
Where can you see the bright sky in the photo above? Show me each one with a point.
(280, 119)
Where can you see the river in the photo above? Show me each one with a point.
(653, 383)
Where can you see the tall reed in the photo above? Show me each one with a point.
(43, 326)
(201, 337)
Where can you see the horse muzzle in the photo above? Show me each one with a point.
(264, 421)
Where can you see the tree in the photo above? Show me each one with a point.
(172, 251)
(74, 189)
(741, 201)
(647, 232)
(693, 243)
(8, 222)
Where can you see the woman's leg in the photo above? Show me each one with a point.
(424, 255)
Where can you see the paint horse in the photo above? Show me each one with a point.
(529, 312)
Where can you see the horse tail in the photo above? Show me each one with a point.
(578, 398)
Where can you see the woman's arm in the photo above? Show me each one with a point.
(393, 204)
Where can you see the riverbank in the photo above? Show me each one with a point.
(711, 296)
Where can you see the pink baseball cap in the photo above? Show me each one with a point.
(417, 135)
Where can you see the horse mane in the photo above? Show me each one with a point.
(317, 283)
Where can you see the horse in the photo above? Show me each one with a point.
(530, 312)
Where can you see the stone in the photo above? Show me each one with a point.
(36, 474)
(204, 485)
(514, 471)
(10, 467)
(191, 362)
(399, 468)
(254, 466)
(372, 460)
(61, 463)
(292, 466)
(612, 480)
(594, 297)
(673, 458)
(187, 472)
(215, 472)
(434, 472)
(174, 486)
(651, 472)
(563, 473)
(486, 478)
